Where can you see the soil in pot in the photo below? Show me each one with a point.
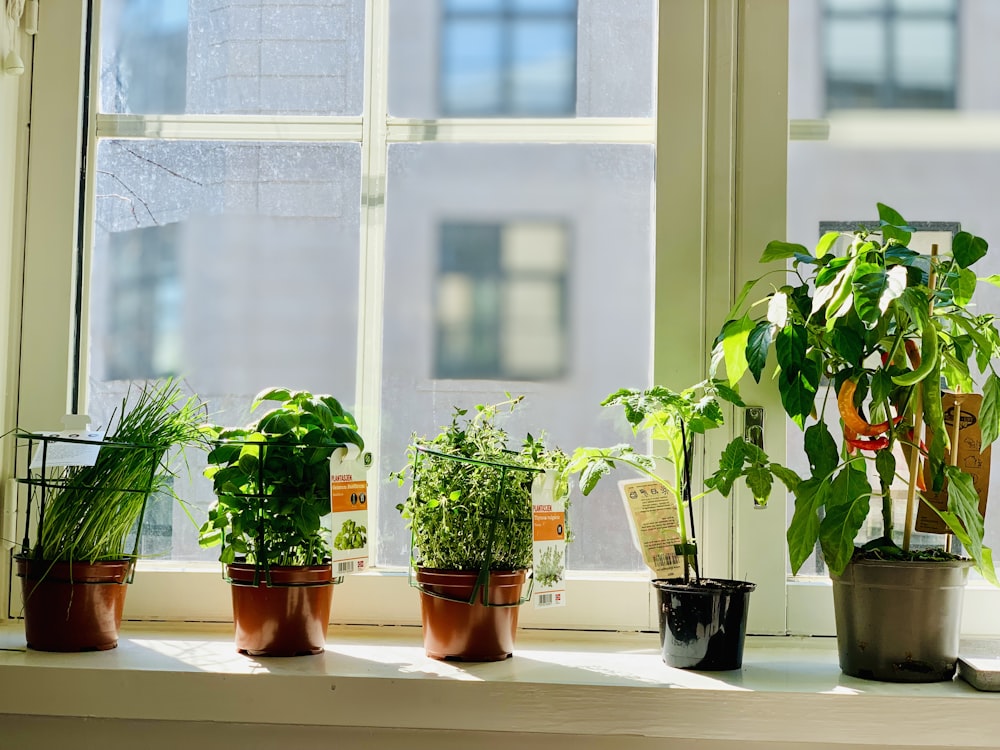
(703, 625)
(455, 629)
(899, 621)
(289, 617)
(72, 606)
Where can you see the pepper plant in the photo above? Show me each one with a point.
(673, 419)
(272, 480)
(865, 336)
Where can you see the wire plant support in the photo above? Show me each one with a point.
(48, 479)
(260, 494)
(505, 472)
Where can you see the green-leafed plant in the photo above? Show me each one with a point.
(94, 510)
(470, 499)
(867, 335)
(673, 419)
(272, 480)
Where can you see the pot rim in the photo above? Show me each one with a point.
(289, 576)
(906, 564)
(726, 585)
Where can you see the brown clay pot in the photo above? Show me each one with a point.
(469, 632)
(72, 606)
(288, 617)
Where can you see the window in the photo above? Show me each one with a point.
(508, 57)
(500, 301)
(303, 185)
(890, 53)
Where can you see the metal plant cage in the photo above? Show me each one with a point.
(506, 475)
(46, 479)
(262, 571)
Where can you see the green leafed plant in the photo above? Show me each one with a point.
(868, 335)
(272, 480)
(673, 419)
(95, 509)
(470, 499)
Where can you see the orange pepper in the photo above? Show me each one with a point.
(854, 421)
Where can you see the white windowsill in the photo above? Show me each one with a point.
(562, 683)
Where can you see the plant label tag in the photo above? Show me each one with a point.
(67, 448)
(652, 517)
(548, 548)
(349, 503)
(970, 457)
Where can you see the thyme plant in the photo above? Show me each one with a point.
(470, 500)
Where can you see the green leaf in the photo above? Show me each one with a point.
(885, 465)
(734, 344)
(798, 391)
(962, 286)
(989, 413)
(758, 345)
(789, 478)
(270, 394)
(847, 343)
(821, 450)
(893, 225)
(778, 250)
(963, 506)
(826, 242)
(790, 346)
(846, 511)
(993, 279)
(777, 309)
(869, 288)
(967, 249)
(759, 482)
(881, 386)
(803, 530)
(730, 467)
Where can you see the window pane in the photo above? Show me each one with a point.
(231, 265)
(924, 54)
(472, 79)
(214, 57)
(507, 249)
(544, 69)
(551, 58)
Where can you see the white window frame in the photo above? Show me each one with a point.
(720, 139)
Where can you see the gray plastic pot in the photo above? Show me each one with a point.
(899, 621)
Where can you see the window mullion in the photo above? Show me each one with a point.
(374, 161)
(524, 130)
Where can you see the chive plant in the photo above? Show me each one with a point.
(93, 510)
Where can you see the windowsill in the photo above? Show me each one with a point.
(579, 683)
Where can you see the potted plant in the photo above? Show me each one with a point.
(272, 485)
(702, 620)
(89, 518)
(469, 510)
(863, 338)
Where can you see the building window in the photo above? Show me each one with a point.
(508, 57)
(501, 301)
(143, 304)
(890, 54)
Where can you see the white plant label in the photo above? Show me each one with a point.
(58, 451)
(349, 502)
(652, 516)
(548, 548)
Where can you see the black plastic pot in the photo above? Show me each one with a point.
(703, 625)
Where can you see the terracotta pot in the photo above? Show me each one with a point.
(288, 617)
(72, 606)
(469, 632)
(703, 625)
